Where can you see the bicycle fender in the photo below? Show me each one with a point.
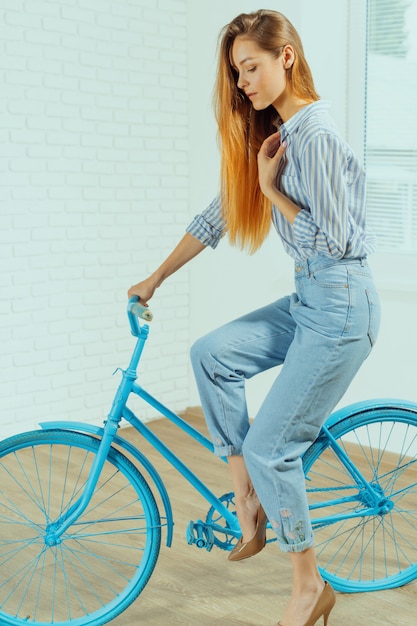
(370, 405)
(137, 454)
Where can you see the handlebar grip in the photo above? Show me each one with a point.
(135, 310)
(141, 311)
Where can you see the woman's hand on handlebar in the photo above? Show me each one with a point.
(144, 290)
(187, 248)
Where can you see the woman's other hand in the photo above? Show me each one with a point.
(144, 290)
(186, 249)
(269, 157)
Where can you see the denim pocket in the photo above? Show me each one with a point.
(333, 277)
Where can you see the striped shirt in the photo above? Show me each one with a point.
(324, 178)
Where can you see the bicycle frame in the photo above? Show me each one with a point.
(119, 410)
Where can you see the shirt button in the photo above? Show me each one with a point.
(298, 268)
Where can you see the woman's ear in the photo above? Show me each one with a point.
(288, 56)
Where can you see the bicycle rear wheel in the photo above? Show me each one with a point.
(358, 551)
(102, 561)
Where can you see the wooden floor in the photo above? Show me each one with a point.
(192, 587)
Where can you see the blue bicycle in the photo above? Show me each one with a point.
(82, 509)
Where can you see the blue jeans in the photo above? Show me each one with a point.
(320, 335)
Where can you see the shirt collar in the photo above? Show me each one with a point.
(292, 125)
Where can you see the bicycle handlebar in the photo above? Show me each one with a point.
(135, 310)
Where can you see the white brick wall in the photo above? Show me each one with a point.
(93, 192)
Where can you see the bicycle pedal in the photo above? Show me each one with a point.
(200, 534)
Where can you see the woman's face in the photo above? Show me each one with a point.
(262, 77)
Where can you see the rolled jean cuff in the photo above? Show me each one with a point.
(296, 547)
(224, 451)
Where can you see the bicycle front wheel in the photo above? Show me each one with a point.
(362, 546)
(101, 563)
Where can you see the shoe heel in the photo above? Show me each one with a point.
(326, 617)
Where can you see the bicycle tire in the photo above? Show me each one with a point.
(373, 552)
(102, 561)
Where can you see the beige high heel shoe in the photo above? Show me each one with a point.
(323, 606)
(256, 544)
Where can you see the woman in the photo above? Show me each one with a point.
(307, 182)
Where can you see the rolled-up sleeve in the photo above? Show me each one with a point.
(208, 227)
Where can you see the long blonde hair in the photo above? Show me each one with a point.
(242, 129)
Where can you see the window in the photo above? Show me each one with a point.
(390, 149)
